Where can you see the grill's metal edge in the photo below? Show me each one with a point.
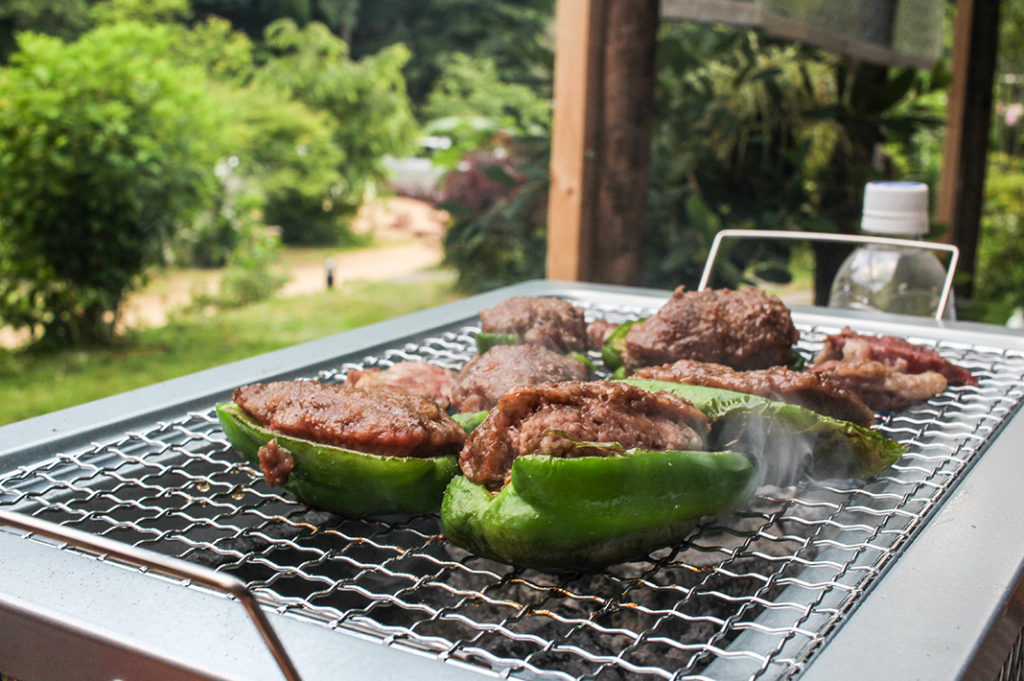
(867, 634)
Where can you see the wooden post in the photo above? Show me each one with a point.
(579, 37)
(601, 138)
(961, 188)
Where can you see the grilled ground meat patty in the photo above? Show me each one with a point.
(598, 332)
(742, 329)
(383, 421)
(815, 391)
(551, 322)
(418, 378)
(487, 377)
(533, 420)
(880, 386)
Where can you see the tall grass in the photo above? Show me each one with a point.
(33, 383)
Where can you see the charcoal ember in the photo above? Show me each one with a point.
(744, 329)
(254, 540)
(551, 322)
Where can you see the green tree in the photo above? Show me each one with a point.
(474, 108)
(143, 11)
(107, 147)
(65, 19)
(289, 149)
(512, 33)
(999, 289)
(368, 107)
(736, 141)
(254, 16)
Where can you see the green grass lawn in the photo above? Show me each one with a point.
(33, 383)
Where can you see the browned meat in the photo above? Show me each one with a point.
(419, 378)
(742, 329)
(880, 386)
(598, 332)
(486, 377)
(895, 352)
(818, 392)
(526, 418)
(276, 463)
(383, 421)
(551, 322)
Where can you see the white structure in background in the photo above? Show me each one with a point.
(417, 176)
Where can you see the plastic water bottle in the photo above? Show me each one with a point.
(887, 278)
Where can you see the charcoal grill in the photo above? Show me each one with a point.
(913, 574)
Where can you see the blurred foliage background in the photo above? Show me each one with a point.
(138, 134)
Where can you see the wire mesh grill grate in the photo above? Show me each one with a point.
(749, 595)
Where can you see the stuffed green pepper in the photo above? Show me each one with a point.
(344, 449)
(786, 441)
(576, 475)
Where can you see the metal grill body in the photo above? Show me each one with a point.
(773, 590)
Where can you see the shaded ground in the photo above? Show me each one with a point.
(407, 240)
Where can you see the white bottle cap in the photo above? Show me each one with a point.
(895, 208)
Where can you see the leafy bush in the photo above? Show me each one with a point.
(474, 108)
(756, 134)
(249, 275)
(498, 204)
(106, 149)
(999, 289)
(215, 233)
(289, 150)
(738, 138)
(514, 33)
(370, 114)
(65, 19)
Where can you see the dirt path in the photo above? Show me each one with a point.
(407, 236)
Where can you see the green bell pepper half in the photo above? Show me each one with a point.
(582, 359)
(576, 514)
(343, 480)
(771, 431)
(615, 346)
(469, 420)
(486, 341)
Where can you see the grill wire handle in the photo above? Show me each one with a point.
(954, 252)
(173, 567)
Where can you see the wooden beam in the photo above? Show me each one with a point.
(623, 174)
(601, 138)
(969, 111)
(579, 37)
